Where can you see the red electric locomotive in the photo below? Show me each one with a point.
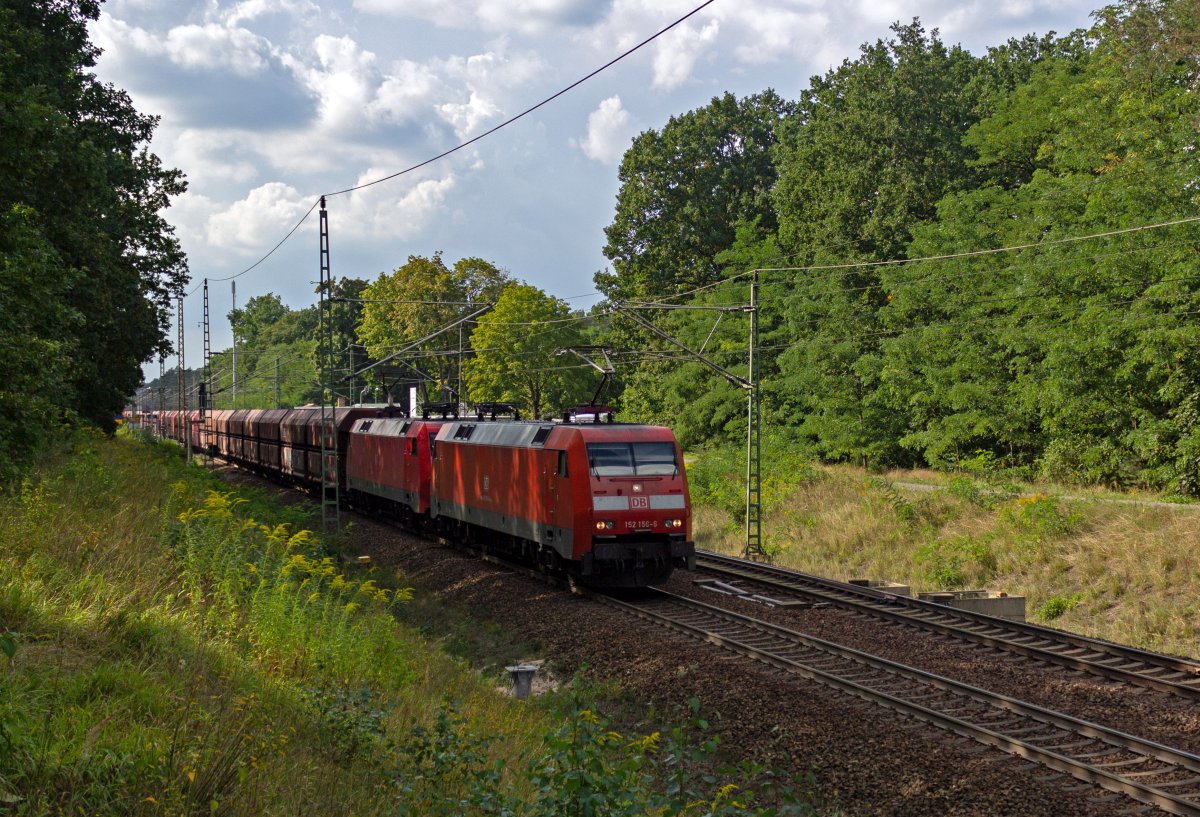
(388, 464)
(607, 503)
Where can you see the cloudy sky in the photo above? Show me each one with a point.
(267, 104)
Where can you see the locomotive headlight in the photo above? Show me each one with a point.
(674, 523)
(602, 525)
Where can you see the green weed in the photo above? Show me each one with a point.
(970, 491)
(1057, 606)
(1041, 516)
(904, 510)
(954, 563)
(588, 768)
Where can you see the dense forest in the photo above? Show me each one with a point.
(90, 266)
(963, 259)
(898, 325)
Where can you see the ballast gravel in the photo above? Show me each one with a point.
(864, 759)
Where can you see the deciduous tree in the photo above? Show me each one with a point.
(514, 353)
(85, 195)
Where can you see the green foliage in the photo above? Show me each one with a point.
(89, 264)
(684, 192)
(182, 659)
(1073, 358)
(955, 563)
(36, 331)
(1040, 516)
(587, 768)
(355, 717)
(1057, 606)
(971, 491)
(904, 510)
(515, 345)
(275, 587)
(1067, 357)
(877, 141)
(717, 477)
(694, 201)
(420, 298)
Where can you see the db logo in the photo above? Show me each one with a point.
(639, 502)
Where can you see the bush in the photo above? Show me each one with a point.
(1041, 516)
(951, 564)
(717, 477)
(1057, 606)
(587, 768)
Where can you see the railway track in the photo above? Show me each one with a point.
(1148, 772)
(1114, 662)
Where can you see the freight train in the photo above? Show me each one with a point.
(604, 503)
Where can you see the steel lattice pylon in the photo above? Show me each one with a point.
(330, 504)
(754, 546)
(206, 385)
(181, 381)
(162, 393)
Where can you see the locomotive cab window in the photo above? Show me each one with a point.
(632, 459)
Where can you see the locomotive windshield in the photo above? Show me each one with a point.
(632, 459)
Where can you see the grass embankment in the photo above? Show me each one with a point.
(1124, 572)
(169, 647)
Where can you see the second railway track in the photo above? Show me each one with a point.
(1148, 772)
(1104, 659)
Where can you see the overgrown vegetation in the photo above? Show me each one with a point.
(168, 646)
(1117, 570)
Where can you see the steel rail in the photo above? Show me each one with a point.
(1119, 762)
(1162, 673)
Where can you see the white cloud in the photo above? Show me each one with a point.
(489, 79)
(343, 80)
(353, 94)
(248, 10)
(524, 16)
(207, 47)
(189, 214)
(214, 46)
(677, 53)
(765, 31)
(215, 156)
(407, 92)
(248, 225)
(608, 131)
(536, 16)
(116, 37)
(447, 13)
(392, 210)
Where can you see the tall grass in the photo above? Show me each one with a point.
(168, 646)
(1126, 573)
